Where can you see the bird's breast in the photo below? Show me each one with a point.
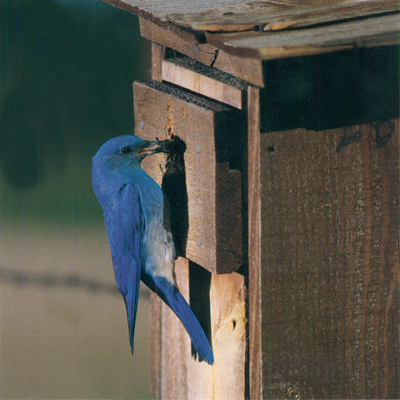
(159, 250)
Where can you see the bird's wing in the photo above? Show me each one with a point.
(124, 222)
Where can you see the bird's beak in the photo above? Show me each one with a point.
(148, 150)
(162, 146)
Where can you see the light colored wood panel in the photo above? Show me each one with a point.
(175, 343)
(226, 378)
(254, 243)
(183, 377)
(155, 340)
(214, 200)
(248, 69)
(179, 74)
(380, 31)
(330, 269)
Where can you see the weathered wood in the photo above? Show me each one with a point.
(332, 26)
(211, 82)
(248, 69)
(155, 340)
(156, 11)
(330, 262)
(278, 15)
(182, 376)
(254, 242)
(234, 15)
(379, 31)
(212, 135)
(157, 56)
(178, 39)
(175, 343)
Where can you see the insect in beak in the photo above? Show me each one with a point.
(161, 147)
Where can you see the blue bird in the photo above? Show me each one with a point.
(136, 215)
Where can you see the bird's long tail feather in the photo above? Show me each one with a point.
(171, 296)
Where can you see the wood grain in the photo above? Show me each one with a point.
(214, 236)
(234, 15)
(379, 31)
(185, 42)
(278, 15)
(211, 82)
(254, 243)
(325, 27)
(156, 11)
(157, 57)
(183, 377)
(155, 340)
(330, 262)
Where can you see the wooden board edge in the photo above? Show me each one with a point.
(254, 242)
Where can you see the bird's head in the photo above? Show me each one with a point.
(123, 154)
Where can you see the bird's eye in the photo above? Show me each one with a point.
(126, 150)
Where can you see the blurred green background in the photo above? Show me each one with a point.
(66, 73)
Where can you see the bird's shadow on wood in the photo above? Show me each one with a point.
(175, 190)
(199, 296)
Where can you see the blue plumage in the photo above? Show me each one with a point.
(136, 215)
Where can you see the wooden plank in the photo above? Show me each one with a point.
(155, 340)
(175, 343)
(157, 56)
(183, 377)
(278, 15)
(156, 11)
(234, 15)
(380, 31)
(207, 81)
(330, 262)
(177, 39)
(209, 225)
(248, 69)
(254, 243)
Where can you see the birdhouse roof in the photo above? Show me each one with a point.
(277, 29)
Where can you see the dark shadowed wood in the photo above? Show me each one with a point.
(330, 262)
(213, 177)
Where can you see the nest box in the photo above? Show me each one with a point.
(285, 194)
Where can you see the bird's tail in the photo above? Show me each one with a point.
(171, 296)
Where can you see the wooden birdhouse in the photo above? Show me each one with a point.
(285, 194)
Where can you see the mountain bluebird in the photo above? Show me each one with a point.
(136, 215)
